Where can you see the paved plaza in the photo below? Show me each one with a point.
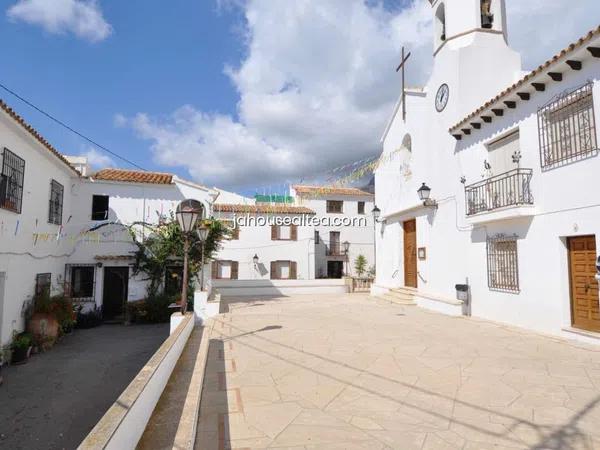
(346, 372)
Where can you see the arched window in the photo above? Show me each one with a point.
(407, 142)
(440, 24)
(487, 14)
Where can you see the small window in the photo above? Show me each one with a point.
(317, 237)
(361, 207)
(56, 203)
(11, 181)
(283, 270)
(82, 281)
(284, 233)
(225, 270)
(100, 207)
(43, 282)
(335, 206)
(567, 128)
(503, 267)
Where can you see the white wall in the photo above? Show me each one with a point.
(21, 256)
(257, 240)
(361, 236)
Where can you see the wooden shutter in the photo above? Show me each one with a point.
(274, 274)
(294, 232)
(293, 270)
(214, 270)
(234, 270)
(274, 232)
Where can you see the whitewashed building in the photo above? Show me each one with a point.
(35, 202)
(511, 159)
(345, 219)
(270, 242)
(105, 205)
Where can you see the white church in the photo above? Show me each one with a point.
(491, 180)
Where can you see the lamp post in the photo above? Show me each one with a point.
(376, 214)
(346, 245)
(187, 213)
(202, 233)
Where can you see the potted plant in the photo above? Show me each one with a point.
(21, 347)
(43, 323)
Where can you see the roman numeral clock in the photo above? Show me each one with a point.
(441, 98)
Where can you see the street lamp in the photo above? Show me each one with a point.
(255, 259)
(376, 214)
(346, 245)
(202, 232)
(187, 213)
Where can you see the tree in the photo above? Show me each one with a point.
(162, 245)
(360, 265)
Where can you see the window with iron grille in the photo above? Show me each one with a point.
(43, 282)
(567, 128)
(56, 203)
(503, 266)
(11, 181)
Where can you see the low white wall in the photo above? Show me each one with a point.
(446, 306)
(203, 308)
(124, 423)
(241, 288)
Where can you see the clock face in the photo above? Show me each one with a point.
(441, 98)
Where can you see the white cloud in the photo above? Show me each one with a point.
(97, 159)
(80, 17)
(317, 85)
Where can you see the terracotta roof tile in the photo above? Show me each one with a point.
(262, 209)
(327, 190)
(12, 113)
(133, 176)
(512, 89)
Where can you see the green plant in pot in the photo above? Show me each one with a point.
(21, 347)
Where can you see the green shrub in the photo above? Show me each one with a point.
(22, 341)
(154, 309)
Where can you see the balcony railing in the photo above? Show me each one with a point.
(501, 191)
(334, 250)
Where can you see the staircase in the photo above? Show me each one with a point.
(401, 295)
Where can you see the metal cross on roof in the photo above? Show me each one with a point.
(401, 67)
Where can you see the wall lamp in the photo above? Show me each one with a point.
(424, 194)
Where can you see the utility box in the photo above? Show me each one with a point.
(462, 292)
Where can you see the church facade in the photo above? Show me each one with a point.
(508, 159)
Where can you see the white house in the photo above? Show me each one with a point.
(343, 219)
(35, 203)
(105, 206)
(270, 242)
(510, 158)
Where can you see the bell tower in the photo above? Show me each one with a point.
(454, 19)
(472, 59)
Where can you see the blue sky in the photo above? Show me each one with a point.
(248, 95)
(155, 60)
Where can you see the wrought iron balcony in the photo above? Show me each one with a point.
(501, 191)
(334, 250)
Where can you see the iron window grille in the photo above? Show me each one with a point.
(11, 181)
(503, 264)
(80, 284)
(567, 128)
(43, 283)
(512, 188)
(56, 203)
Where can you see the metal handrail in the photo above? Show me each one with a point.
(511, 188)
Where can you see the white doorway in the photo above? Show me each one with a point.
(2, 282)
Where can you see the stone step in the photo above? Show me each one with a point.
(400, 299)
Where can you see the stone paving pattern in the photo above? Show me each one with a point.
(352, 372)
